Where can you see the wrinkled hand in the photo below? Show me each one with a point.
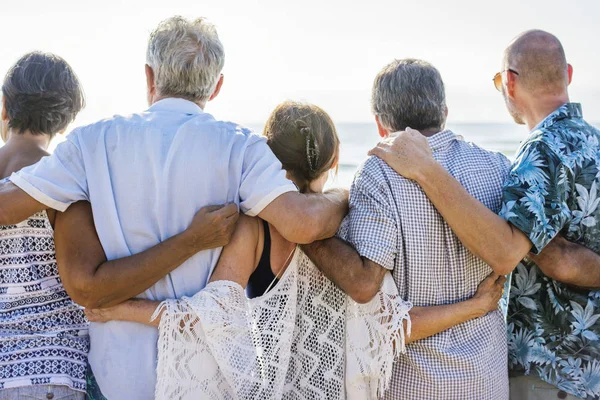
(489, 292)
(405, 152)
(213, 226)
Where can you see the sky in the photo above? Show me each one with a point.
(324, 52)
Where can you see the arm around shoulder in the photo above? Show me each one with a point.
(16, 205)
(304, 218)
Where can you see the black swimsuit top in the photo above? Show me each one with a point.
(263, 276)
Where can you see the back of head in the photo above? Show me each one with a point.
(303, 137)
(409, 93)
(187, 58)
(42, 94)
(539, 59)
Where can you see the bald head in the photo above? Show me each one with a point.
(539, 59)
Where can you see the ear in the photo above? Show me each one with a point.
(511, 84)
(150, 82)
(570, 73)
(4, 122)
(4, 112)
(217, 88)
(382, 131)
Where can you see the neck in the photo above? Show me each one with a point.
(28, 140)
(431, 131)
(160, 97)
(541, 107)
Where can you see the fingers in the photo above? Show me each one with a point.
(492, 277)
(501, 280)
(382, 150)
(210, 209)
(226, 211)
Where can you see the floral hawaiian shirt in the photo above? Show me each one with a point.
(554, 329)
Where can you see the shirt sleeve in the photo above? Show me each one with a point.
(263, 179)
(370, 226)
(58, 180)
(535, 195)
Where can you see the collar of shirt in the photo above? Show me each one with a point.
(173, 104)
(567, 110)
(441, 140)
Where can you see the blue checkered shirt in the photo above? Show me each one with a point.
(392, 223)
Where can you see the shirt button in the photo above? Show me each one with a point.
(50, 395)
(561, 394)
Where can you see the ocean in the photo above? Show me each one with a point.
(357, 138)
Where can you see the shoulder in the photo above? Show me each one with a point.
(483, 157)
(566, 136)
(94, 130)
(228, 130)
(373, 171)
(375, 178)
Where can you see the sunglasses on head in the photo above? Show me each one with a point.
(498, 78)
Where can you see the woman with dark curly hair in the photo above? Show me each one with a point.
(43, 333)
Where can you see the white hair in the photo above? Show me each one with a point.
(187, 58)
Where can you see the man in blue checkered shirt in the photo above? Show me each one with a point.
(454, 352)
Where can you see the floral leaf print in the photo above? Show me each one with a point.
(521, 345)
(588, 204)
(541, 355)
(506, 211)
(584, 319)
(530, 168)
(590, 378)
(525, 282)
(534, 202)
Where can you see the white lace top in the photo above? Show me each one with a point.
(303, 340)
(43, 333)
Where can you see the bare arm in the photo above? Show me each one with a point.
(16, 205)
(569, 263)
(133, 310)
(485, 234)
(429, 321)
(304, 218)
(361, 279)
(237, 262)
(94, 282)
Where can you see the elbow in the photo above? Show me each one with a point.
(5, 218)
(504, 262)
(363, 293)
(310, 230)
(83, 294)
(503, 268)
(559, 271)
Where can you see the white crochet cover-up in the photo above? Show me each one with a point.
(304, 339)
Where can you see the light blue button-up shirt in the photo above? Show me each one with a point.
(146, 175)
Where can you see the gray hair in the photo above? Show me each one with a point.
(187, 58)
(409, 93)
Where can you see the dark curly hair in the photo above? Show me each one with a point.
(42, 94)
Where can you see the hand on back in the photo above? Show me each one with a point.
(489, 292)
(213, 226)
